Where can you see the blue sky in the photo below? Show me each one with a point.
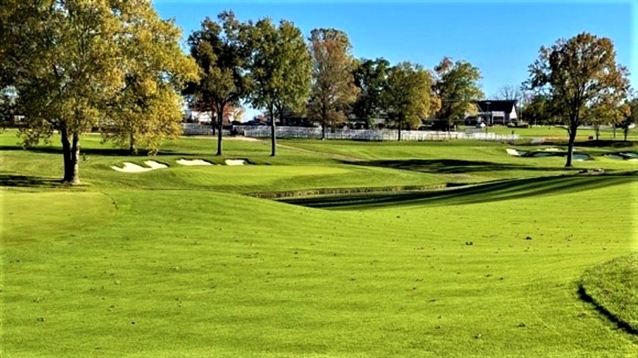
(501, 38)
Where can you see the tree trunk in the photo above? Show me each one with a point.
(66, 155)
(400, 123)
(597, 131)
(614, 130)
(132, 148)
(570, 147)
(71, 158)
(625, 131)
(220, 121)
(273, 136)
(324, 121)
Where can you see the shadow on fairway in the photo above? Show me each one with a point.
(28, 181)
(449, 166)
(479, 193)
(625, 326)
(112, 152)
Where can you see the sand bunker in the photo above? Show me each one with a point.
(155, 165)
(235, 162)
(134, 168)
(515, 152)
(552, 150)
(193, 162)
(245, 139)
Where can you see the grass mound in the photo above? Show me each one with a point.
(611, 286)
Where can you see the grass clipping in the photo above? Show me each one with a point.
(612, 287)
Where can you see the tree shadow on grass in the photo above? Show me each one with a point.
(625, 326)
(450, 166)
(112, 152)
(478, 193)
(23, 181)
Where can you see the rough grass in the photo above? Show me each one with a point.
(178, 262)
(613, 286)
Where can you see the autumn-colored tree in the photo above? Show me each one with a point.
(333, 88)
(408, 96)
(456, 85)
(578, 75)
(66, 62)
(280, 68)
(223, 58)
(370, 77)
(599, 113)
(148, 108)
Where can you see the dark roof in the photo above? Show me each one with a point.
(496, 105)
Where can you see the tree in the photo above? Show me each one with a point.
(509, 93)
(66, 63)
(408, 95)
(280, 68)
(599, 113)
(333, 88)
(370, 77)
(578, 75)
(456, 84)
(148, 108)
(223, 57)
(631, 117)
(538, 111)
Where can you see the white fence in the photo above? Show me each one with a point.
(351, 134)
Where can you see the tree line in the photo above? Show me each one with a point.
(115, 66)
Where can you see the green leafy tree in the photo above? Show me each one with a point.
(456, 84)
(537, 110)
(578, 75)
(280, 68)
(631, 117)
(370, 77)
(408, 96)
(333, 89)
(66, 63)
(222, 55)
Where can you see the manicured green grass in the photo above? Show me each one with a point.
(177, 262)
(613, 286)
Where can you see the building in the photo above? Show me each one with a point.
(497, 111)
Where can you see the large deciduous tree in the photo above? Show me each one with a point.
(65, 60)
(148, 108)
(333, 88)
(370, 77)
(578, 75)
(408, 96)
(457, 86)
(280, 68)
(223, 57)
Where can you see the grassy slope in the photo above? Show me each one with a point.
(613, 286)
(203, 273)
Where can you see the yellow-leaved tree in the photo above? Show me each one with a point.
(70, 63)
